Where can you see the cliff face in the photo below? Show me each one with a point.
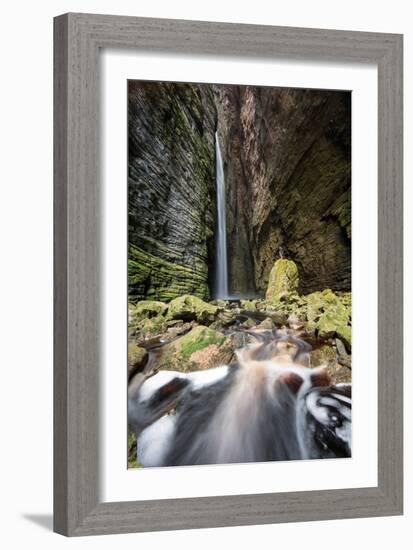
(286, 156)
(288, 176)
(171, 178)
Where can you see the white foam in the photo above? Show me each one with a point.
(153, 383)
(153, 443)
(207, 377)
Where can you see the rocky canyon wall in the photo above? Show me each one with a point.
(171, 179)
(286, 156)
(288, 174)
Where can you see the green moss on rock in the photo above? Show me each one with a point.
(201, 348)
(344, 334)
(190, 308)
(156, 325)
(283, 280)
(132, 462)
(150, 308)
(249, 305)
(151, 277)
(199, 338)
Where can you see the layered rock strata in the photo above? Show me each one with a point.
(171, 179)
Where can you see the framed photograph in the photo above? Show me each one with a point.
(228, 274)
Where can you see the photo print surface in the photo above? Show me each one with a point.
(239, 274)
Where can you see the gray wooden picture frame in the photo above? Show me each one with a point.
(78, 39)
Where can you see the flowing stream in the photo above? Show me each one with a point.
(266, 405)
(221, 285)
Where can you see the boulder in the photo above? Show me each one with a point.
(344, 333)
(248, 323)
(227, 317)
(249, 305)
(343, 357)
(179, 329)
(327, 315)
(146, 316)
(283, 280)
(241, 339)
(150, 308)
(137, 358)
(191, 308)
(149, 327)
(267, 324)
(278, 317)
(339, 374)
(219, 303)
(324, 356)
(201, 348)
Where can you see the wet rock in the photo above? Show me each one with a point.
(241, 339)
(343, 357)
(277, 317)
(283, 280)
(191, 308)
(267, 324)
(137, 358)
(339, 374)
(248, 323)
(295, 322)
(132, 462)
(344, 334)
(323, 356)
(200, 348)
(326, 356)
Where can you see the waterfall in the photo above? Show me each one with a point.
(221, 270)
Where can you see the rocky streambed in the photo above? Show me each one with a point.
(188, 334)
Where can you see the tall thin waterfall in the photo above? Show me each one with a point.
(221, 289)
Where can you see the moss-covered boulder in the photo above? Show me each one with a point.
(201, 348)
(249, 305)
(191, 308)
(283, 280)
(149, 327)
(146, 316)
(328, 315)
(137, 358)
(286, 305)
(150, 308)
(227, 317)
